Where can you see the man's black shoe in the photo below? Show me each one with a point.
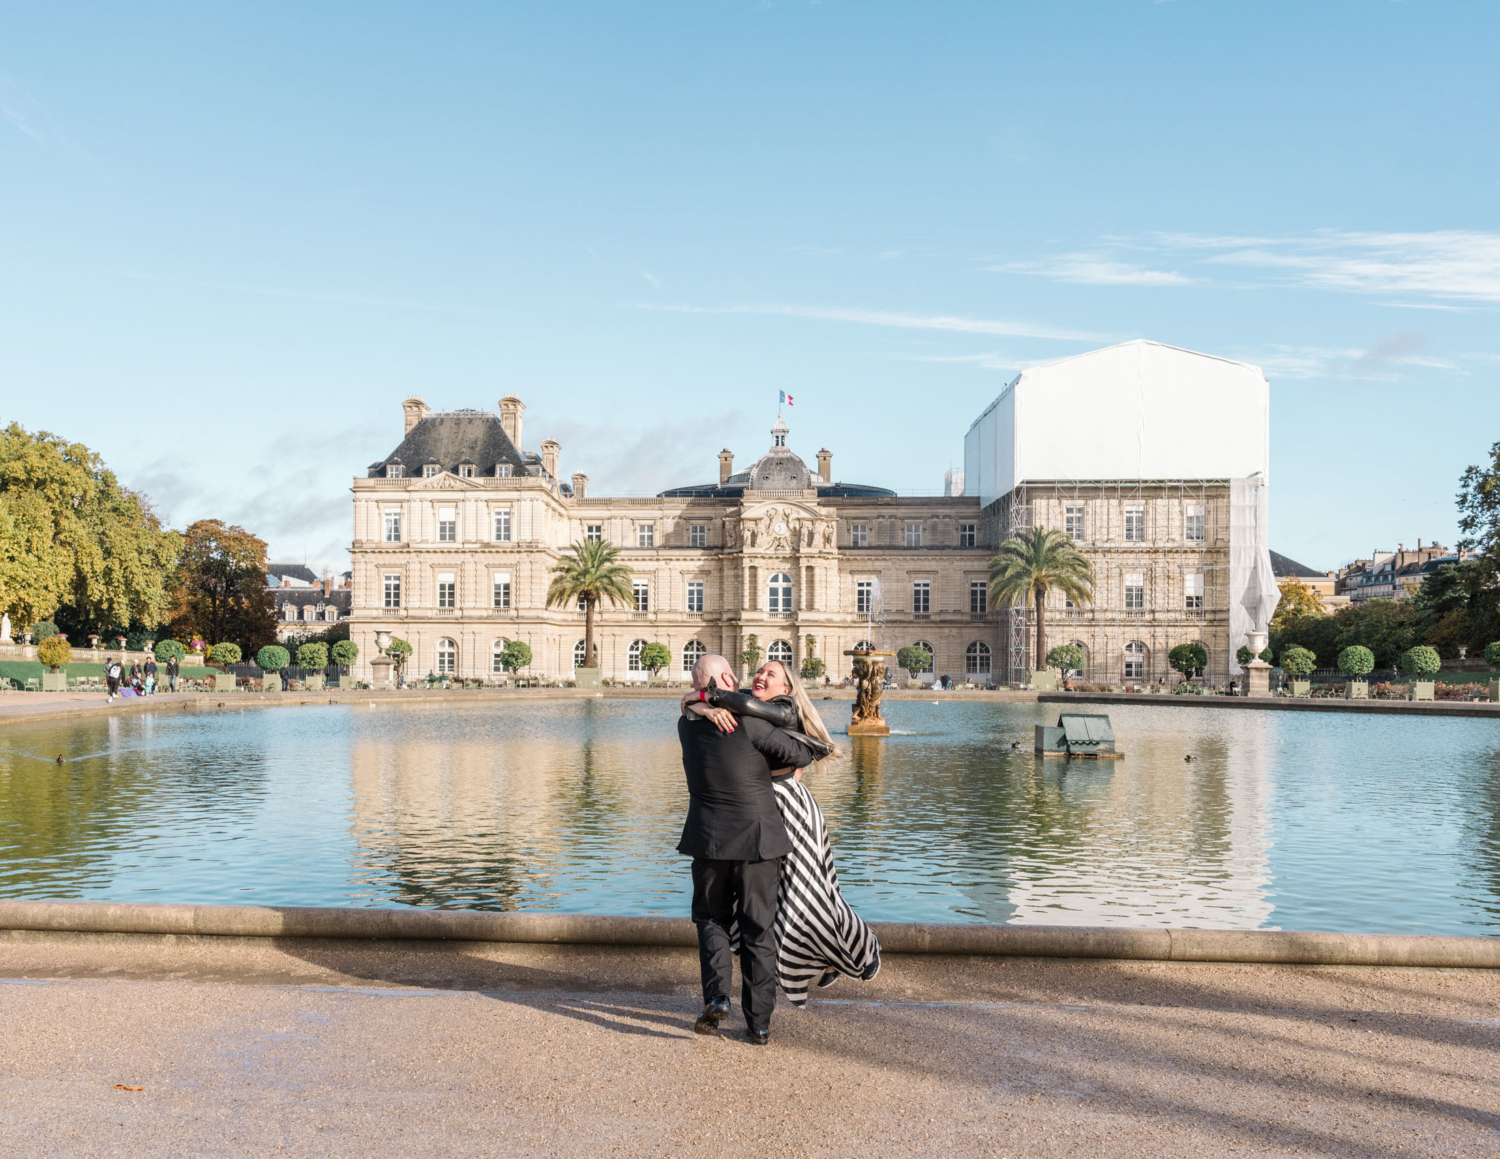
(757, 1037)
(713, 1013)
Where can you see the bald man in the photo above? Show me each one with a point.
(736, 838)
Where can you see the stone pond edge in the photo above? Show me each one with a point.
(1153, 945)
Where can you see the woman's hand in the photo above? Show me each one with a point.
(797, 776)
(723, 719)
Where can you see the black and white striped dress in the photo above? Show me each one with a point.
(815, 927)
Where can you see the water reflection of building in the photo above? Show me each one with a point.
(1153, 846)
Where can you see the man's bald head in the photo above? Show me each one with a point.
(714, 668)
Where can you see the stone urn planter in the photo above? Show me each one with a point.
(1357, 690)
(271, 682)
(1424, 690)
(313, 683)
(1301, 687)
(224, 682)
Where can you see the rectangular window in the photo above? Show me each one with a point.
(642, 591)
(1135, 592)
(1196, 532)
(500, 597)
(859, 535)
(967, 535)
(1193, 591)
(1135, 524)
(466, 470)
(979, 597)
(502, 470)
(502, 526)
(1073, 522)
(583, 604)
(698, 535)
(393, 527)
(645, 535)
(429, 470)
(594, 533)
(393, 591)
(695, 595)
(864, 596)
(447, 590)
(394, 470)
(921, 597)
(913, 535)
(447, 522)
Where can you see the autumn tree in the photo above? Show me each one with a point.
(1297, 600)
(221, 591)
(72, 538)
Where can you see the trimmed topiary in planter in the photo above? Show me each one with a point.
(345, 652)
(1298, 663)
(1356, 661)
(1188, 658)
(167, 650)
(272, 659)
(225, 653)
(1068, 657)
(55, 652)
(314, 658)
(1421, 662)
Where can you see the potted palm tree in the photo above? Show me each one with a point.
(1355, 662)
(591, 574)
(1028, 567)
(1421, 662)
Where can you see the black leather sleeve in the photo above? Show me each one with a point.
(781, 713)
(779, 749)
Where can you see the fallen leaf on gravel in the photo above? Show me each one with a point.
(123, 1087)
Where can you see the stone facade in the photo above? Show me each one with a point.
(457, 531)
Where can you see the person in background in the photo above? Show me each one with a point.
(112, 672)
(172, 673)
(150, 673)
(135, 676)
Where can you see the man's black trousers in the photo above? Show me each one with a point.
(726, 891)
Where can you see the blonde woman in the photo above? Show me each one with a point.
(818, 934)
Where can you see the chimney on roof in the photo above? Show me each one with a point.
(825, 465)
(327, 582)
(511, 409)
(550, 449)
(580, 486)
(726, 465)
(415, 409)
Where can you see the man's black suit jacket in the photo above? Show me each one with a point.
(732, 814)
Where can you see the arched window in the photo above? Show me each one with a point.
(864, 646)
(692, 652)
(931, 655)
(780, 651)
(1135, 660)
(496, 649)
(447, 657)
(633, 657)
(977, 658)
(779, 594)
(579, 655)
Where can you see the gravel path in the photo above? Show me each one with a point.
(254, 1048)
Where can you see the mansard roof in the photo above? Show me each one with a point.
(1284, 568)
(779, 469)
(449, 438)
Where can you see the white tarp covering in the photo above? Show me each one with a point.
(1140, 410)
(1253, 591)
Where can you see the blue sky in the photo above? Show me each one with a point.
(233, 239)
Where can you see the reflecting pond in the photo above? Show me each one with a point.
(1285, 821)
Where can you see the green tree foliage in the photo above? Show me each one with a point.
(1031, 566)
(1298, 663)
(1386, 627)
(399, 652)
(273, 658)
(42, 629)
(655, 657)
(1297, 600)
(914, 658)
(1356, 660)
(225, 653)
(1421, 661)
(221, 592)
(344, 652)
(1244, 655)
(1492, 654)
(55, 652)
(170, 649)
(1479, 507)
(813, 668)
(1459, 604)
(750, 656)
(1065, 656)
(72, 537)
(517, 654)
(592, 574)
(314, 656)
(1188, 658)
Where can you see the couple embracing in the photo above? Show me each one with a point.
(763, 878)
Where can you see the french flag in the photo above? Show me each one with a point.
(786, 398)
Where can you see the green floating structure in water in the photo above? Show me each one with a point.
(1078, 734)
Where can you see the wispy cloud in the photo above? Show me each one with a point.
(1384, 361)
(334, 297)
(954, 323)
(1462, 264)
(987, 360)
(1092, 269)
(21, 109)
(652, 278)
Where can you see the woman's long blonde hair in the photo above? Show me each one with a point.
(812, 723)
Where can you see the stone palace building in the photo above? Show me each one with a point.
(457, 530)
